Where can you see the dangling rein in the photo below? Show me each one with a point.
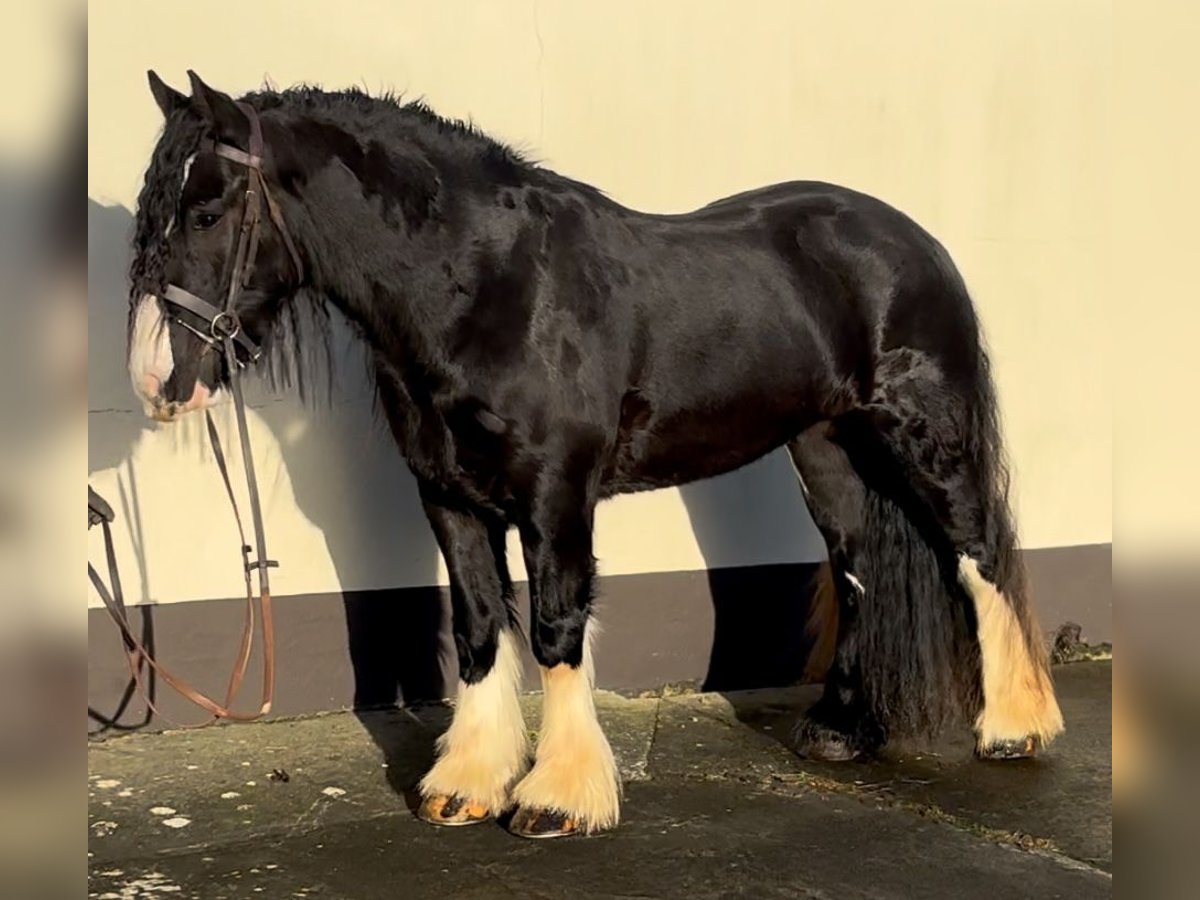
(136, 652)
(225, 334)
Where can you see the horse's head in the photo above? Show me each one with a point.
(190, 218)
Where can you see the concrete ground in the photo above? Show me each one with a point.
(715, 806)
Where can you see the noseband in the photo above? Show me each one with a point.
(224, 326)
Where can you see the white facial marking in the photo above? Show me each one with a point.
(187, 170)
(150, 360)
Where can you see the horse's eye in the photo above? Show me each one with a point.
(206, 220)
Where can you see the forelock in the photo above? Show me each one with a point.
(159, 198)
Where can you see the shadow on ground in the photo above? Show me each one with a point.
(715, 805)
(1065, 791)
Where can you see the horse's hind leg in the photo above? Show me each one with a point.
(484, 750)
(840, 725)
(944, 435)
(573, 786)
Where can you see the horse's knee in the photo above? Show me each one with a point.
(558, 637)
(477, 648)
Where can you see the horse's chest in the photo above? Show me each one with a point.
(464, 449)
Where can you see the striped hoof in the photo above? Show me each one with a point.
(1018, 748)
(450, 809)
(528, 822)
(820, 742)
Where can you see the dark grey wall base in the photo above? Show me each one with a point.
(725, 629)
(1073, 584)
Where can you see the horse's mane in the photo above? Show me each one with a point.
(156, 202)
(300, 345)
(298, 351)
(389, 111)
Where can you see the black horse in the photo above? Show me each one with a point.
(538, 348)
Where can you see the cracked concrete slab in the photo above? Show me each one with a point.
(228, 780)
(1061, 799)
(710, 840)
(716, 805)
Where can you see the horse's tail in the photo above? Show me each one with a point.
(910, 637)
(918, 654)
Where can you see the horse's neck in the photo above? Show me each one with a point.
(383, 271)
(393, 313)
(355, 266)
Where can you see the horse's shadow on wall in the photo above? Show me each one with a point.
(346, 477)
(349, 482)
(762, 551)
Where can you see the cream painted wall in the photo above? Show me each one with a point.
(1156, 147)
(986, 121)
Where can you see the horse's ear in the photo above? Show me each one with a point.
(167, 98)
(227, 120)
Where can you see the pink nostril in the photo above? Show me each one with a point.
(199, 396)
(152, 385)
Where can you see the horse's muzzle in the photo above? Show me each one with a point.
(161, 409)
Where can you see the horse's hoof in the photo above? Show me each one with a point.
(1016, 748)
(820, 742)
(531, 822)
(451, 809)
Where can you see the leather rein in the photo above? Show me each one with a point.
(225, 335)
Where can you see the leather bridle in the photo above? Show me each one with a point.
(225, 335)
(224, 325)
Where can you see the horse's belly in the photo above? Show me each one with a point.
(725, 387)
(675, 447)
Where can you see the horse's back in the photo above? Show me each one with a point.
(845, 274)
(769, 310)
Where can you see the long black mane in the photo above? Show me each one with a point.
(158, 200)
(388, 112)
(298, 350)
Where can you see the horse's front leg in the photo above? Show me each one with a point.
(485, 749)
(573, 786)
